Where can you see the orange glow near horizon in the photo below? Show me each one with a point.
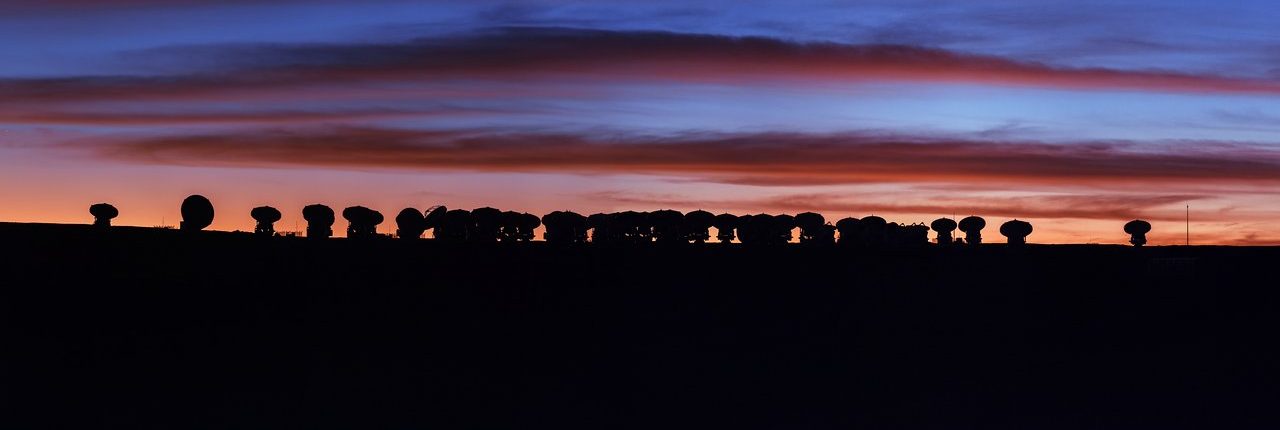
(233, 215)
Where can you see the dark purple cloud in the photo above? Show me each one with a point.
(179, 118)
(757, 159)
(513, 54)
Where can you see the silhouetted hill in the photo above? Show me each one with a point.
(143, 328)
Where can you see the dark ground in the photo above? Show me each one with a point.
(155, 329)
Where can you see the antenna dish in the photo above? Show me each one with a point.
(362, 222)
(434, 215)
(1137, 226)
(319, 221)
(972, 224)
(103, 213)
(266, 216)
(972, 227)
(410, 224)
(1137, 230)
(809, 220)
(1016, 231)
(197, 213)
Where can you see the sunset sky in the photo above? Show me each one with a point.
(1076, 116)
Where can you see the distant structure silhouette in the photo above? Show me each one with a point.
(809, 223)
(454, 226)
(781, 231)
(850, 229)
(528, 223)
(320, 220)
(103, 213)
(485, 226)
(825, 235)
(362, 222)
(765, 229)
(431, 218)
(410, 224)
(915, 234)
(1016, 231)
(1137, 230)
(622, 227)
(908, 235)
(725, 225)
(197, 213)
(697, 225)
(749, 229)
(603, 228)
(564, 227)
(972, 227)
(518, 227)
(814, 229)
(509, 226)
(944, 227)
(667, 225)
(266, 216)
(874, 231)
(632, 226)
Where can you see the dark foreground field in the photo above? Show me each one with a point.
(151, 329)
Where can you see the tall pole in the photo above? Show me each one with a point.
(1188, 225)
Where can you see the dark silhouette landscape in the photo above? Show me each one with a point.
(626, 320)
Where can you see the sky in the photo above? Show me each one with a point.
(1075, 116)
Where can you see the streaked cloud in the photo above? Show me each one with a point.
(755, 159)
(152, 118)
(612, 56)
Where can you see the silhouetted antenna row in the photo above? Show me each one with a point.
(666, 226)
